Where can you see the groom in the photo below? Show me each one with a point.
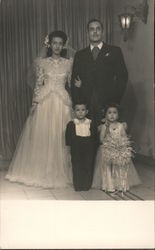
(99, 73)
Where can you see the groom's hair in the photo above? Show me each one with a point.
(94, 20)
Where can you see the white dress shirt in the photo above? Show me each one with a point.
(82, 128)
(99, 46)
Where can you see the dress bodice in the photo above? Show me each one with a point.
(55, 71)
(52, 75)
(115, 132)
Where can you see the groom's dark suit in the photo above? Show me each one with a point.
(103, 80)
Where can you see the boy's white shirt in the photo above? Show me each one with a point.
(82, 128)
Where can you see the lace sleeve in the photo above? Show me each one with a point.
(123, 129)
(103, 131)
(125, 125)
(39, 81)
(69, 71)
(42, 89)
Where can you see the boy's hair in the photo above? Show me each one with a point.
(111, 105)
(94, 20)
(80, 103)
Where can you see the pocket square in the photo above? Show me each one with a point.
(107, 54)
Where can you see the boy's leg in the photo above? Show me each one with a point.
(77, 175)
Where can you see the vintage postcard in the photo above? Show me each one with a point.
(77, 151)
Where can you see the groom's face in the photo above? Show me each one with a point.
(95, 32)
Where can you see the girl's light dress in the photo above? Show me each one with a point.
(114, 169)
(41, 157)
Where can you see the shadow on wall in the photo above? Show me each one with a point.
(129, 106)
(135, 110)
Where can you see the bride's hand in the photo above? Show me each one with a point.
(34, 105)
(78, 82)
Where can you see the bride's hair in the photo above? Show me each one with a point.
(56, 33)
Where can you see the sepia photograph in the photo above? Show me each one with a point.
(76, 104)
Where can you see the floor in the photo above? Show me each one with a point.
(16, 191)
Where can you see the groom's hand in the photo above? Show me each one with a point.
(78, 82)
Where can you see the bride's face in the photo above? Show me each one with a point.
(57, 45)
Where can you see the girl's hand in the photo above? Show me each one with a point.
(103, 120)
(106, 123)
(78, 82)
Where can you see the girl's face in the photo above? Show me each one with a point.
(80, 111)
(112, 114)
(57, 45)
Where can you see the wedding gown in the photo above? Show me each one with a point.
(41, 157)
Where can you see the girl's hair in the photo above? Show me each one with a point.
(63, 36)
(111, 105)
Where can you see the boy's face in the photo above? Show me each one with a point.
(80, 111)
(112, 114)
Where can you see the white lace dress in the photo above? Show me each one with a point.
(114, 169)
(41, 157)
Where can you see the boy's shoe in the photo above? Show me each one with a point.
(81, 189)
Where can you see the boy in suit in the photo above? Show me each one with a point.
(79, 135)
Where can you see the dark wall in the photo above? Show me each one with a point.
(138, 101)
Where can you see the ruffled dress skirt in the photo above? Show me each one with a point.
(114, 169)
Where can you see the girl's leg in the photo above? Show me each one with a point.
(107, 179)
(120, 179)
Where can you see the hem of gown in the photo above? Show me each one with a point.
(116, 189)
(35, 184)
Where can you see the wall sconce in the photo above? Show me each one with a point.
(125, 23)
(130, 15)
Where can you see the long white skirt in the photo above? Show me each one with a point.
(41, 157)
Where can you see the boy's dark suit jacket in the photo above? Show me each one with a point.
(103, 80)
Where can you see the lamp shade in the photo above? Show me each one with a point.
(125, 21)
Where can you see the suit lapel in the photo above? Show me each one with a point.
(104, 50)
(89, 54)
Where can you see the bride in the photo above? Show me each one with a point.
(41, 157)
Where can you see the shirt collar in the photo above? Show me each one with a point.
(87, 121)
(99, 46)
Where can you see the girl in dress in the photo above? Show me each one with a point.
(41, 157)
(114, 170)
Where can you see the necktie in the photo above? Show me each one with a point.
(95, 52)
